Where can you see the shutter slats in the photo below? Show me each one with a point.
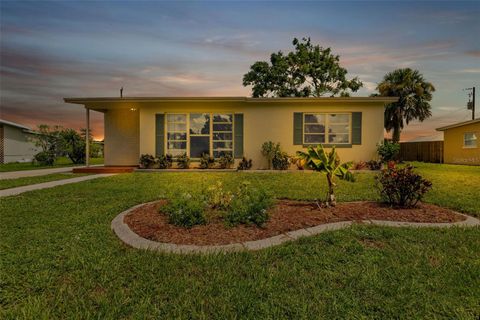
(357, 128)
(238, 138)
(297, 128)
(159, 134)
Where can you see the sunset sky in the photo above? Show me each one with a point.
(50, 50)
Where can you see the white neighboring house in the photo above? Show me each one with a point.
(15, 143)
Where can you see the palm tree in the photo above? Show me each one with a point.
(329, 163)
(414, 95)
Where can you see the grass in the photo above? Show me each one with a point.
(59, 259)
(13, 183)
(60, 162)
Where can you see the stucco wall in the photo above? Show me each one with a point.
(16, 145)
(121, 147)
(271, 121)
(454, 152)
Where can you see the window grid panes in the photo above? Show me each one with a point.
(199, 129)
(176, 134)
(469, 140)
(331, 128)
(222, 134)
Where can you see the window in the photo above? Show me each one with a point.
(207, 133)
(176, 134)
(330, 128)
(469, 140)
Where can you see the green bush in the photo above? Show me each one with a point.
(164, 161)
(374, 165)
(147, 161)
(45, 158)
(183, 161)
(244, 164)
(248, 206)
(388, 151)
(217, 197)
(185, 211)
(281, 161)
(206, 161)
(269, 150)
(401, 187)
(225, 161)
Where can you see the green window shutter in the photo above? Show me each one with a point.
(238, 139)
(356, 128)
(297, 128)
(159, 134)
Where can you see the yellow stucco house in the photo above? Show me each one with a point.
(460, 142)
(236, 125)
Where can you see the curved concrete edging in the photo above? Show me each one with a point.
(123, 231)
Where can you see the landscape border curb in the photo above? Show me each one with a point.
(126, 235)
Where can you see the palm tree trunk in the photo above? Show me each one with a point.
(396, 134)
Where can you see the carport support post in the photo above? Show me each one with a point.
(87, 140)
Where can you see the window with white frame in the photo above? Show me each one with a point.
(469, 140)
(176, 134)
(328, 128)
(199, 133)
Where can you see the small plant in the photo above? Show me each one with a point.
(248, 206)
(401, 187)
(165, 161)
(328, 163)
(388, 151)
(45, 158)
(375, 165)
(244, 164)
(185, 211)
(217, 197)
(269, 150)
(299, 162)
(281, 161)
(225, 161)
(206, 162)
(183, 161)
(147, 161)
(361, 165)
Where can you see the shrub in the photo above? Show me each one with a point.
(374, 165)
(244, 164)
(147, 161)
(269, 150)
(361, 165)
(281, 161)
(248, 206)
(183, 161)
(217, 197)
(401, 187)
(225, 161)
(206, 162)
(388, 151)
(45, 158)
(185, 211)
(165, 161)
(299, 162)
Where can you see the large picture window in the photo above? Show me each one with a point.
(199, 133)
(469, 140)
(329, 128)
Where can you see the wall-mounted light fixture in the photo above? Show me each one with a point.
(133, 109)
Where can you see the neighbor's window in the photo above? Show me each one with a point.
(330, 128)
(469, 140)
(222, 134)
(176, 134)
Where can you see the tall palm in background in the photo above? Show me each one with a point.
(414, 93)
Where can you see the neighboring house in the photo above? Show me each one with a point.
(15, 143)
(461, 145)
(237, 125)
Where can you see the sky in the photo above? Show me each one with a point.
(55, 49)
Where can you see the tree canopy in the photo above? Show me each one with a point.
(308, 71)
(414, 93)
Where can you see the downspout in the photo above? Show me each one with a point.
(87, 140)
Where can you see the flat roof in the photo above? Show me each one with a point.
(240, 99)
(459, 124)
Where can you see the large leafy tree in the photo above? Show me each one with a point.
(414, 93)
(308, 71)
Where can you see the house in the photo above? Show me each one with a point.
(236, 125)
(461, 145)
(15, 143)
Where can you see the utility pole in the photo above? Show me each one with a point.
(471, 104)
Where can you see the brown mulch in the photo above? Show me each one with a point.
(286, 215)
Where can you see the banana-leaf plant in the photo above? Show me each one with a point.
(319, 160)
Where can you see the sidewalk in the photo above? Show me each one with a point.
(38, 172)
(51, 184)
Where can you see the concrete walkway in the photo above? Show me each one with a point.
(123, 231)
(37, 172)
(51, 184)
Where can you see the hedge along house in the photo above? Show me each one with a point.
(461, 142)
(236, 125)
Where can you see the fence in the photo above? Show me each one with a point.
(426, 151)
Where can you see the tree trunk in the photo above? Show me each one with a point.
(396, 134)
(331, 201)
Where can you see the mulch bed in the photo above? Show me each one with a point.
(285, 215)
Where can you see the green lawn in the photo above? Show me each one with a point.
(59, 258)
(13, 183)
(61, 162)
